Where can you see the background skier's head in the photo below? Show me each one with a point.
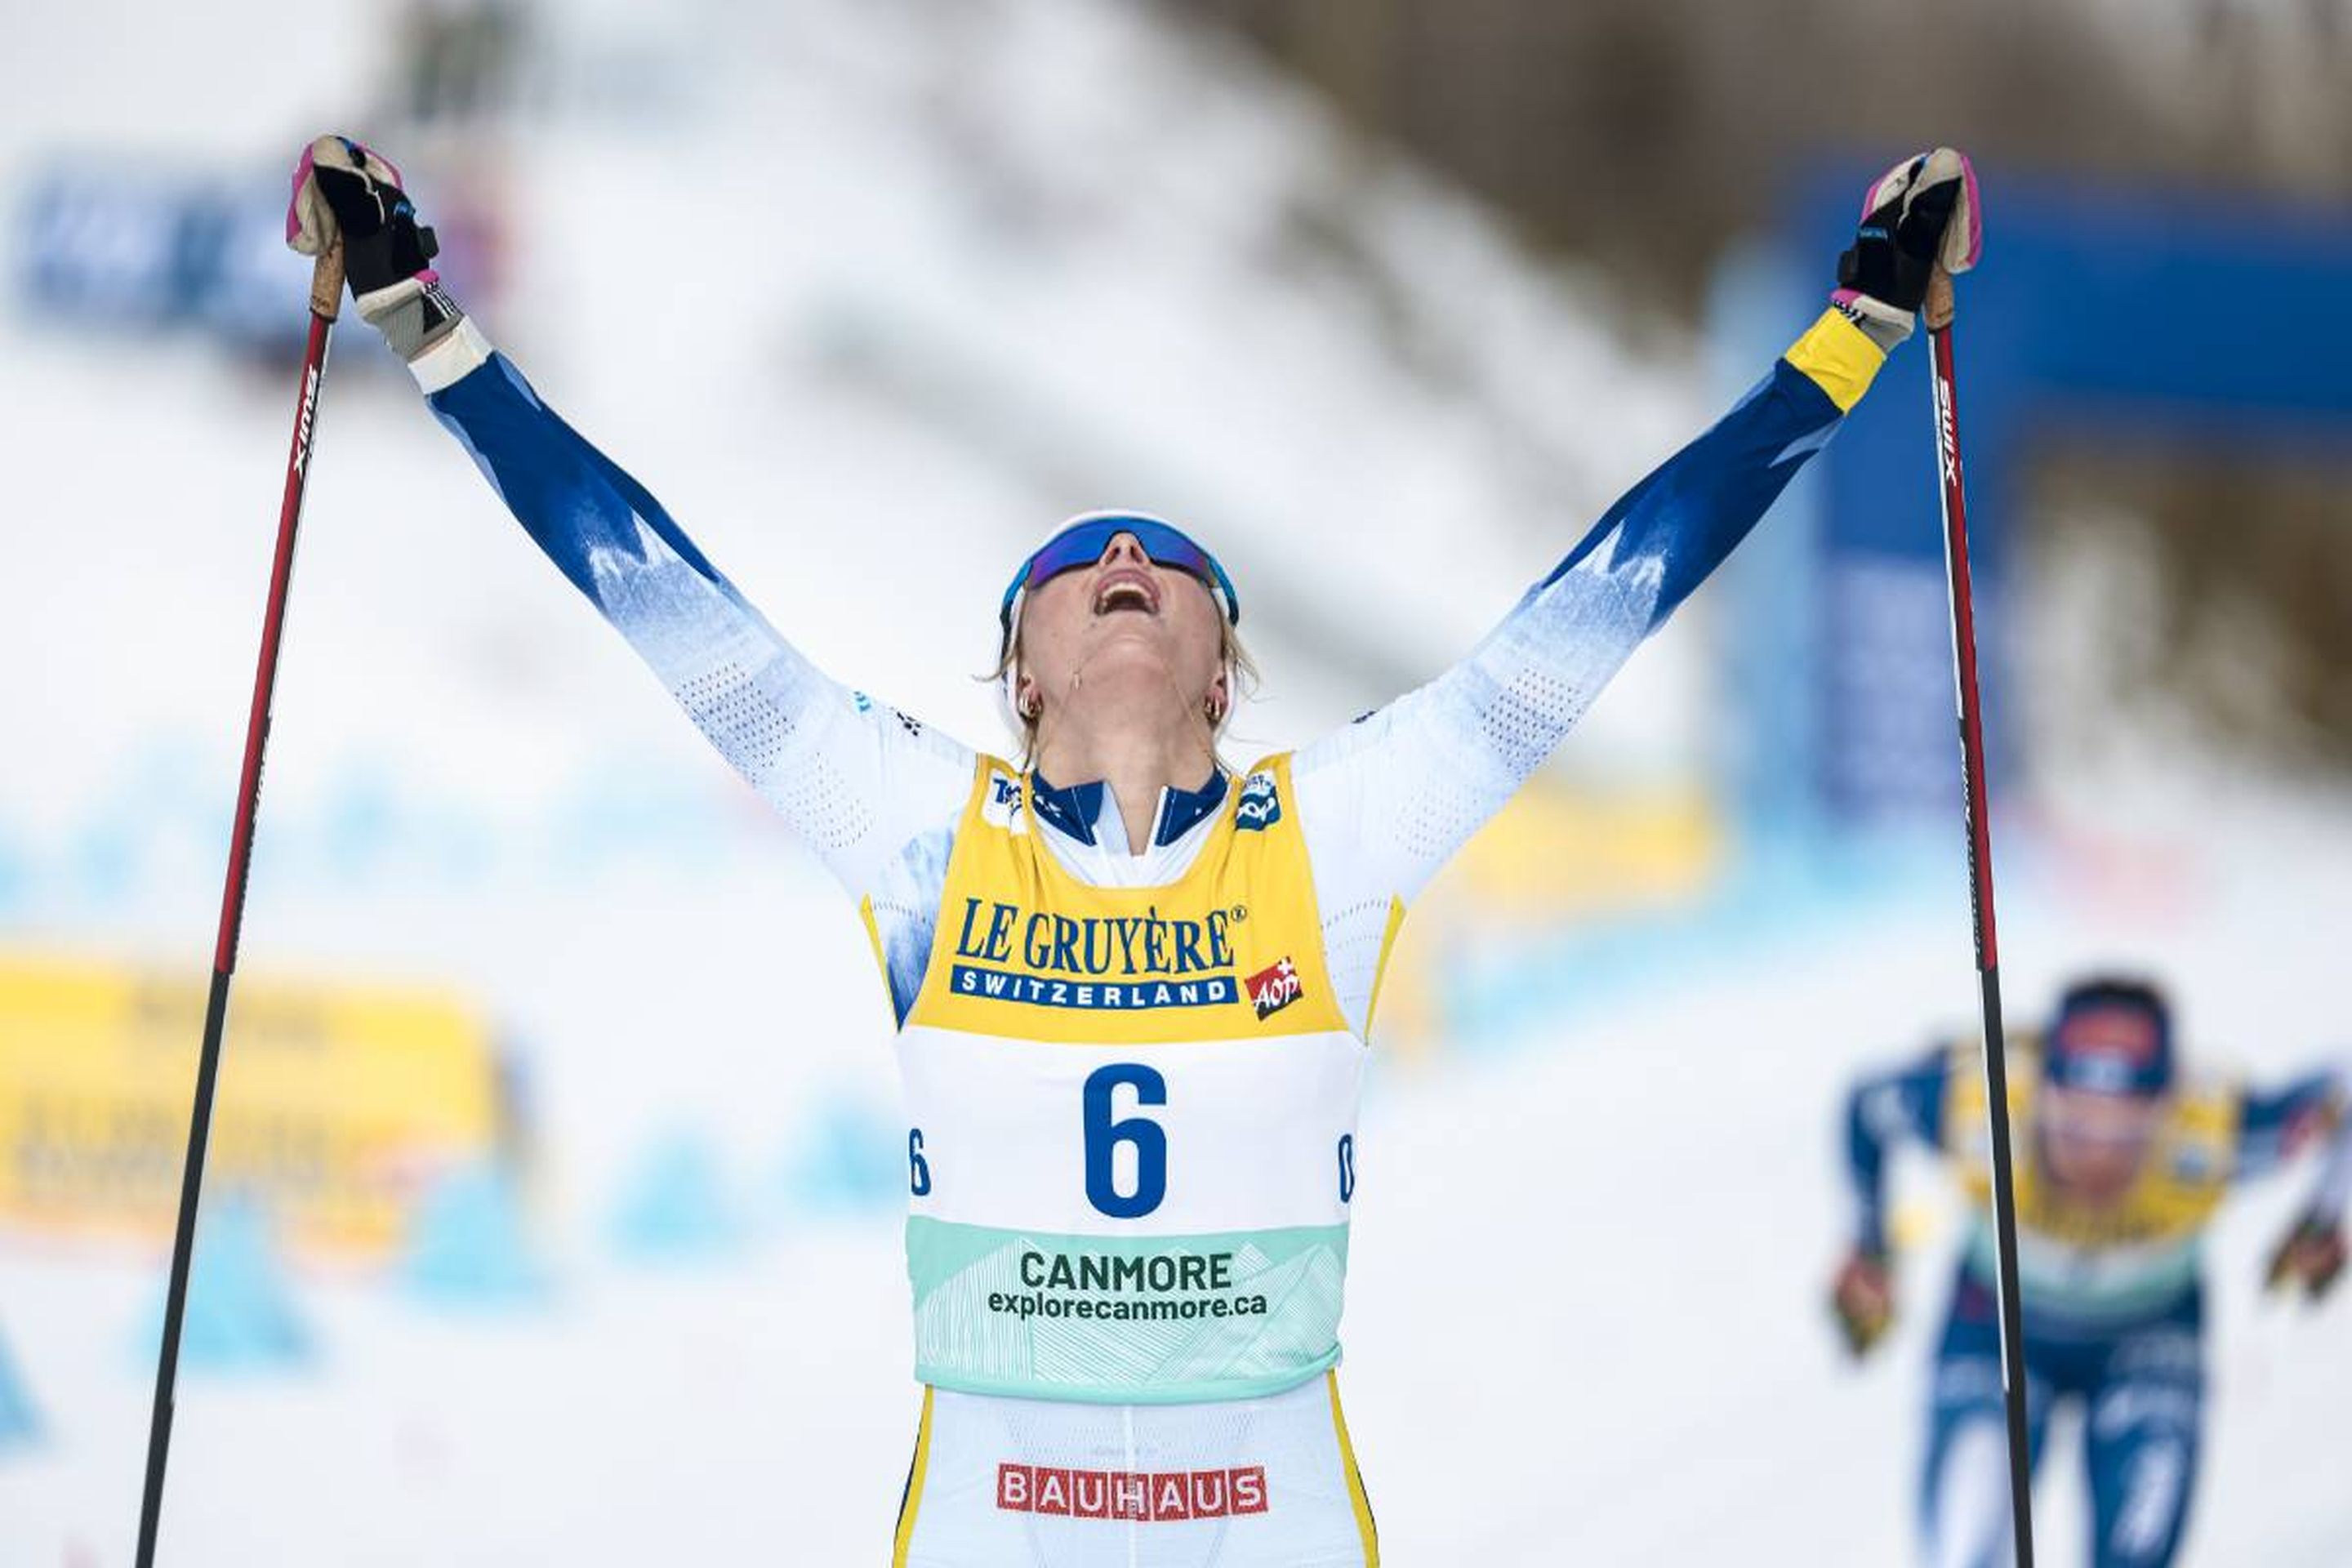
(2106, 1065)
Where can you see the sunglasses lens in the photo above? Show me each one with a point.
(1084, 545)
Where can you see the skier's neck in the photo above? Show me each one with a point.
(1135, 763)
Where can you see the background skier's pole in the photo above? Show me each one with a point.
(1937, 311)
(326, 290)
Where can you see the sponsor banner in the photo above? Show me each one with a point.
(1275, 987)
(1164, 1319)
(1106, 996)
(338, 1104)
(1260, 806)
(1151, 1497)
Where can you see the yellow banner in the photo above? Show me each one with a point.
(338, 1104)
(1551, 858)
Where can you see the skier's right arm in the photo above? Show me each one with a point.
(1881, 1112)
(856, 779)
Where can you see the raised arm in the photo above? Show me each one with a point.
(856, 779)
(1408, 784)
(1387, 801)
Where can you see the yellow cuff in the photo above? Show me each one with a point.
(1839, 357)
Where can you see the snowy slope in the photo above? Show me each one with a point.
(870, 293)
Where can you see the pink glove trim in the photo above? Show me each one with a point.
(1975, 212)
(294, 199)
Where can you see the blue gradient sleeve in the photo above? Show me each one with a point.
(1390, 799)
(577, 504)
(859, 782)
(1881, 1113)
(1683, 519)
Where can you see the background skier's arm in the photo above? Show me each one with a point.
(2272, 1129)
(856, 779)
(1880, 1113)
(2276, 1126)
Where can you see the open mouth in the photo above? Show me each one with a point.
(1127, 592)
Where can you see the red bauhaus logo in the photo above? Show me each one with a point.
(1154, 1497)
(1273, 989)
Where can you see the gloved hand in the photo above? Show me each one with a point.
(1863, 1299)
(1922, 213)
(343, 191)
(2310, 1257)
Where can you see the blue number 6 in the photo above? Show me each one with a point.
(1103, 1135)
(918, 1170)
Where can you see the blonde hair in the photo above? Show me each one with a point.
(1241, 682)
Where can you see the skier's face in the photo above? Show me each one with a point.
(2094, 1144)
(1125, 630)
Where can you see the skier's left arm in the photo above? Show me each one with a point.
(2276, 1126)
(1387, 800)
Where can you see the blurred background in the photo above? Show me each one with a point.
(553, 1208)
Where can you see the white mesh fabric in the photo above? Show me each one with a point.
(1390, 798)
(855, 778)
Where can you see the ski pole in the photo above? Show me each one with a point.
(1937, 310)
(326, 290)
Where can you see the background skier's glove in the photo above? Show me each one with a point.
(1863, 1299)
(2310, 1257)
(1922, 212)
(343, 190)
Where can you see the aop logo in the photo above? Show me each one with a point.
(1273, 988)
(1151, 1497)
(1260, 805)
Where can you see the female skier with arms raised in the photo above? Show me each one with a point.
(1132, 986)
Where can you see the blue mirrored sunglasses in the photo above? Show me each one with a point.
(1083, 543)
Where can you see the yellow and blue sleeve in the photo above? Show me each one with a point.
(1693, 508)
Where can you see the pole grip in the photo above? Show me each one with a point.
(1937, 308)
(327, 282)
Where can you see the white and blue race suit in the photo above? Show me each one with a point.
(1135, 1368)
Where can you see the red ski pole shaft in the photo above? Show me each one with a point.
(1938, 313)
(326, 292)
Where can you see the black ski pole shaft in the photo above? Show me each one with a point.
(326, 288)
(1938, 312)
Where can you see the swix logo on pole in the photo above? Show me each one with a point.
(302, 419)
(1948, 438)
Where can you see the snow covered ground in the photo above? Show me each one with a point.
(889, 289)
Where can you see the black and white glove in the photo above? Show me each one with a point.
(345, 191)
(1921, 213)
